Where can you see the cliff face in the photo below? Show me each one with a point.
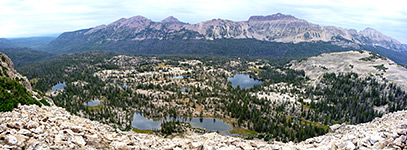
(272, 28)
(33, 127)
(7, 69)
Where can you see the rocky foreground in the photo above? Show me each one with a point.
(33, 127)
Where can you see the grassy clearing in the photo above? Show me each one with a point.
(243, 132)
(256, 69)
(162, 65)
(142, 131)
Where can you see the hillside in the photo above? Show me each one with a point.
(287, 104)
(25, 56)
(5, 43)
(30, 42)
(364, 63)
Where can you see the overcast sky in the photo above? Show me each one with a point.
(24, 18)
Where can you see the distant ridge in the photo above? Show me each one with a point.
(139, 34)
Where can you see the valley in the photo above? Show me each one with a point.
(276, 100)
(73, 78)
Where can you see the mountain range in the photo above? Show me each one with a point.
(26, 50)
(5, 43)
(28, 42)
(277, 35)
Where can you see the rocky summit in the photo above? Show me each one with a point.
(51, 127)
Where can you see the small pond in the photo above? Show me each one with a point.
(123, 85)
(58, 86)
(93, 103)
(177, 77)
(185, 89)
(296, 120)
(142, 123)
(243, 81)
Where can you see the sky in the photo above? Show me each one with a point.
(25, 18)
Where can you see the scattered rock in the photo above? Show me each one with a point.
(78, 140)
(64, 131)
(401, 131)
(11, 140)
(31, 125)
(335, 126)
(118, 145)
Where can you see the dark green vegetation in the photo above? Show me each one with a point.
(12, 93)
(335, 99)
(219, 47)
(372, 57)
(398, 57)
(80, 68)
(381, 67)
(53, 71)
(347, 98)
(25, 56)
(173, 126)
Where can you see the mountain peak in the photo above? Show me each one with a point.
(382, 40)
(370, 29)
(171, 20)
(131, 20)
(278, 16)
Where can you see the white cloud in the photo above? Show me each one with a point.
(39, 17)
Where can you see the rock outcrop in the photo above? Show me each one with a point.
(33, 127)
(7, 69)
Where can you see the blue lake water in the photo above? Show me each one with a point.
(185, 89)
(243, 80)
(58, 86)
(142, 123)
(123, 85)
(177, 77)
(93, 103)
